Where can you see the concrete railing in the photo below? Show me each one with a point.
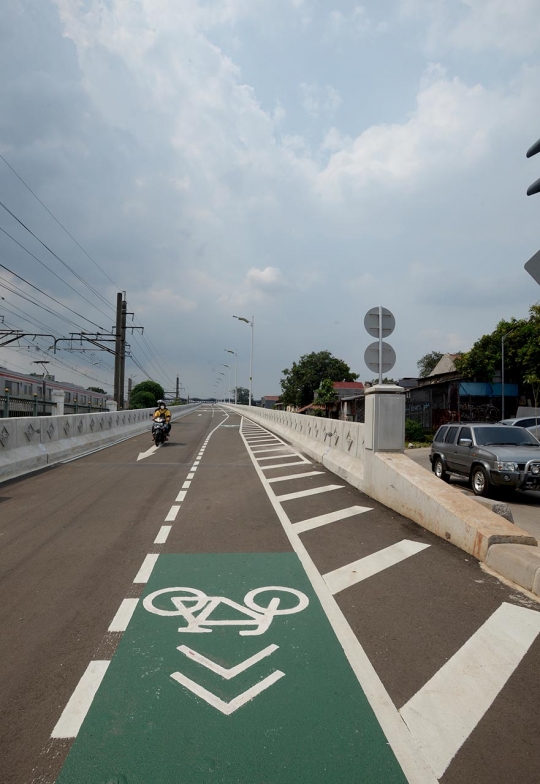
(370, 457)
(30, 443)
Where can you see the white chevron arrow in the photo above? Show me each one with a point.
(228, 673)
(227, 707)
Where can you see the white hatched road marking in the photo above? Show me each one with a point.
(73, 715)
(123, 615)
(143, 575)
(445, 711)
(295, 476)
(414, 766)
(270, 449)
(163, 533)
(282, 465)
(355, 572)
(331, 517)
(275, 457)
(171, 514)
(312, 491)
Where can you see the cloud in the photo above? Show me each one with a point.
(318, 100)
(267, 279)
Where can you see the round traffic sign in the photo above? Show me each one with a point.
(371, 357)
(371, 322)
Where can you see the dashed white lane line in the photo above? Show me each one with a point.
(191, 474)
(143, 575)
(196, 463)
(445, 711)
(73, 715)
(181, 495)
(186, 485)
(295, 476)
(312, 491)
(331, 517)
(163, 533)
(123, 616)
(284, 465)
(171, 514)
(355, 572)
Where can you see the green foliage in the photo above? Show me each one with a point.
(521, 351)
(153, 388)
(326, 392)
(95, 389)
(142, 399)
(428, 362)
(413, 431)
(242, 396)
(301, 381)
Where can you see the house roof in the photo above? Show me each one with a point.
(444, 365)
(271, 397)
(310, 405)
(348, 385)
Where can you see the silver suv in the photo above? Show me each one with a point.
(489, 455)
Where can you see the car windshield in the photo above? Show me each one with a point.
(504, 436)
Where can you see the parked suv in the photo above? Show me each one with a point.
(489, 455)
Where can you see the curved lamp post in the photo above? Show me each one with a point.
(251, 324)
(230, 351)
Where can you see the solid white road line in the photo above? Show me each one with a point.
(415, 768)
(123, 616)
(171, 514)
(73, 715)
(355, 572)
(283, 465)
(163, 533)
(305, 493)
(143, 575)
(181, 495)
(331, 517)
(275, 457)
(445, 711)
(295, 476)
(186, 485)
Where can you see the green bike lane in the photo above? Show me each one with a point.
(229, 670)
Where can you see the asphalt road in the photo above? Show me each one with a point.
(525, 505)
(365, 621)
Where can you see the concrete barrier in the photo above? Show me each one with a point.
(392, 478)
(31, 443)
(518, 563)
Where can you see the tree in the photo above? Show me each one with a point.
(96, 389)
(521, 351)
(142, 399)
(326, 392)
(242, 396)
(428, 362)
(152, 388)
(301, 381)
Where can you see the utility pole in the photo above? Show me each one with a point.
(117, 348)
(177, 388)
(130, 386)
(121, 402)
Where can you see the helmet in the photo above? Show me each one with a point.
(161, 402)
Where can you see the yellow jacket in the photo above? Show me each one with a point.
(162, 413)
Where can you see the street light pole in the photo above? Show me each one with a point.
(230, 351)
(252, 325)
(502, 370)
(229, 390)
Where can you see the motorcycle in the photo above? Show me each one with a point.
(159, 431)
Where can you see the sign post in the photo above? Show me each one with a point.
(380, 357)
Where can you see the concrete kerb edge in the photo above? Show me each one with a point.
(17, 462)
(433, 505)
(518, 563)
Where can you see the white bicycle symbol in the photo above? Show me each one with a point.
(189, 601)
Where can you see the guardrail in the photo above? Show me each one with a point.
(29, 443)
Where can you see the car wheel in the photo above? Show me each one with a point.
(438, 470)
(480, 481)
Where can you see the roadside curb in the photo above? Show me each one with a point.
(517, 562)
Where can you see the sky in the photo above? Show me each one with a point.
(295, 161)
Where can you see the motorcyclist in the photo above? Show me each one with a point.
(163, 411)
